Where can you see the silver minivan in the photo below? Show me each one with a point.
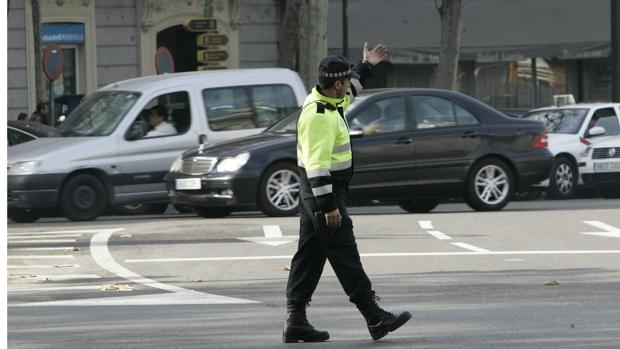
(109, 153)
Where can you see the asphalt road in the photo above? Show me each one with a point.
(543, 274)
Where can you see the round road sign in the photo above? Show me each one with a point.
(52, 62)
(164, 63)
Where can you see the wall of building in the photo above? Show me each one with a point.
(258, 33)
(17, 74)
(117, 41)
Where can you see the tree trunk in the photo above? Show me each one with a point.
(303, 37)
(450, 12)
(39, 79)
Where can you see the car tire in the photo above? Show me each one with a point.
(418, 205)
(212, 212)
(83, 198)
(23, 215)
(278, 190)
(563, 179)
(489, 196)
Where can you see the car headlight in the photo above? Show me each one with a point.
(177, 164)
(23, 167)
(234, 163)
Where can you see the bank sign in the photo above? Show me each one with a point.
(62, 33)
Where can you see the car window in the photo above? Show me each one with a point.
(163, 116)
(247, 107)
(15, 137)
(566, 120)
(431, 112)
(384, 116)
(606, 118)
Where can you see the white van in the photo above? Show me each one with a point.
(108, 156)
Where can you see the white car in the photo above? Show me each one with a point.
(568, 138)
(600, 164)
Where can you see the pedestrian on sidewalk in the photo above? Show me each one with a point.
(41, 115)
(326, 231)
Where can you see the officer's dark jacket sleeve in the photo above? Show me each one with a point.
(363, 70)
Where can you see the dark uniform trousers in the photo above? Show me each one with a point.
(317, 243)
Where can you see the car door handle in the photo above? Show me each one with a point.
(470, 134)
(404, 140)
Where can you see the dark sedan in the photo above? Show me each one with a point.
(21, 131)
(410, 146)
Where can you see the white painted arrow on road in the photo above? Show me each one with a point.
(273, 237)
(611, 231)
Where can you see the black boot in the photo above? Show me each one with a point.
(379, 321)
(297, 328)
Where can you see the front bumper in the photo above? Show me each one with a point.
(238, 189)
(30, 191)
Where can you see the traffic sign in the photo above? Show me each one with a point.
(211, 40)
(164, 63)
(200, 24)
(211, 56)
(53, 62)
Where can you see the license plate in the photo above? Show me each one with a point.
(607, 166)
(187, 183)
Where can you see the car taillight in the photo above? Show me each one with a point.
(584, 141)
(541, 140)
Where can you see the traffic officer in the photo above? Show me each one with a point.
(326, 231)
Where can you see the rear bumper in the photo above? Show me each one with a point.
(30, 191)
(533, 168)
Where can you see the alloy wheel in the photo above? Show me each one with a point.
(283, 189)
(564, 178)
(491, 184)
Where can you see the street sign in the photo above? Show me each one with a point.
(53, 62)
(211, 56)
(164, 63)
(200, 24)
(211, 40)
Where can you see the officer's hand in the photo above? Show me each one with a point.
(333, 219)
(376, 55)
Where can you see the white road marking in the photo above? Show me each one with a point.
(56, 277)
(426, 224)
(59, 256)
(610, 231)
(439, 235)
(273, 237)
(398, 254)
(42, 241)
(43, 266)
(49, 289)
(42, 236)
(470, 247)
(59, 232)
(64, 248)
(514, 260)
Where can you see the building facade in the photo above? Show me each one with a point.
(514, 54)
(104, 41)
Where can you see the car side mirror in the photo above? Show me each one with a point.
(356, 133)
(202, 139)
(596, 131)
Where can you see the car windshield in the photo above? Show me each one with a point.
(99, 114)
(288, 124)
(560, 120)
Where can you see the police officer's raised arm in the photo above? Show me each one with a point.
(362, 70)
